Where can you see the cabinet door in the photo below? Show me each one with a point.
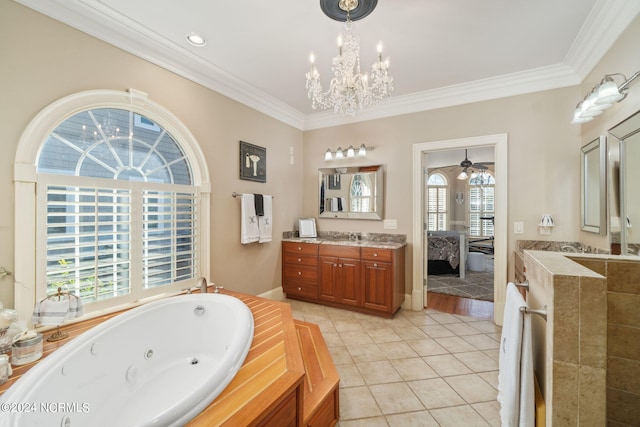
(328, 279)
(378, 285)
(349, 288)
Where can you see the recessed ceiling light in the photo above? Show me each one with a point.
(196, 40)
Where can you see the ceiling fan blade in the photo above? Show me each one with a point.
(483, 164)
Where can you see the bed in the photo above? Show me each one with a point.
(446, 248)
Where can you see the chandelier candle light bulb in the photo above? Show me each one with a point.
(350, 90)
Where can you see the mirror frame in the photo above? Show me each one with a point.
(379, 192)
(627, 128)
(590, 184)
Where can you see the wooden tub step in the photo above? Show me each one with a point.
(321, 383)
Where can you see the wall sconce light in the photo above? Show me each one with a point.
(602, 96)
(546, 223)
(351, 153)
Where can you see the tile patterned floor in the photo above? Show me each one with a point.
(476, 285)
(423, 368)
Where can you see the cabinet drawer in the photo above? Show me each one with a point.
(300, 273)
(300, 248)
(340, 251)
(377, 254)
(301, 289)
(294, 259)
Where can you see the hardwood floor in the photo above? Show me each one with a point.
(458, 305)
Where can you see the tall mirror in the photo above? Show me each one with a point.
(627, 136)
(351, 192)
(593, 171)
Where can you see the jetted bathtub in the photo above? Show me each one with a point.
(159, 364)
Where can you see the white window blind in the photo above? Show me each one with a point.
(437, 193)
(121, 215)
(481, 205)
(87, 241)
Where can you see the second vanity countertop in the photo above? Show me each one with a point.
(363, 240)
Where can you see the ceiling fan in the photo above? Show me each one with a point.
(466, 164)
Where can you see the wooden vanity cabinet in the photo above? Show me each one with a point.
(340, 274)
(365, 279)
(383, 279)
(300, 269)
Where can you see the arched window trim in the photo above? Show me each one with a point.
(25, 177)
(438, 213)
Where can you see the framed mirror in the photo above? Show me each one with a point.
(351, 192)
(625, 200)
(594, 180)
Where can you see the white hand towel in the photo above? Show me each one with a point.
(334, 204)
(54, 311)
(515, 377)
(265, 221)
(249, 231)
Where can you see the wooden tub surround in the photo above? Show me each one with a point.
(287, 379)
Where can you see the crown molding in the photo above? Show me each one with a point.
(536, 80)
(96, 19)
(605, 23)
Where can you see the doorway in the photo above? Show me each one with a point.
(459, 222)
(421, 152)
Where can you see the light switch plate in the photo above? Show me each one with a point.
(518, 227)
(390, 224)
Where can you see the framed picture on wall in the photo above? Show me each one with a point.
(253, 162)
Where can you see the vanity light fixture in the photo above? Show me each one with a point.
(602, 96)
(350, 153)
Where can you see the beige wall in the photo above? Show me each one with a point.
(621, 58)
(51, 61)
(544, 156)
(543, 170)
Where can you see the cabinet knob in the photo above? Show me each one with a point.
(299, 260)
(335, 265)
(299, 248)
(299, 273)
(375, 254)
(339, 265)
(299, 288)
(375, 264)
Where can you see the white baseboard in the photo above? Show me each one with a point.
(275, 294)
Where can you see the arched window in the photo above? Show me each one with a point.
(119, 210)
(481, 204)
(437, 202)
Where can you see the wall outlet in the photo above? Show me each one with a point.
(518, 227)
(390, 224)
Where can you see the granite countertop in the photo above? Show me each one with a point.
(364, 240)
(568, 248)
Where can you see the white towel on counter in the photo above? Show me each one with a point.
(516, 392)
(265, 221)
(249, 231)
(55, 310)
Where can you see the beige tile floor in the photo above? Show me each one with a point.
(418, 369)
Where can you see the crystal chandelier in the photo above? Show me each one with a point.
(350, 90)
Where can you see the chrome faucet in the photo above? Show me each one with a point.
(202, 284)
(569, 248)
